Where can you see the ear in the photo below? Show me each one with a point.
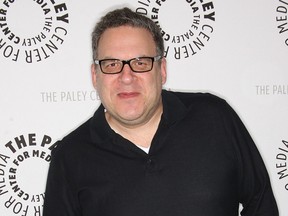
(163, 70)
(93, 75)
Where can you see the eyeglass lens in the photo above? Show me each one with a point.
(142, 64)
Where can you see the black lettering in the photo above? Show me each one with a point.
(46, 55)
(3, 191)
(282, 28)
(28, 56)
(4, 158)
(15, 188)
(32, 139)
(166, 51)
(3, 12)
(177, 52)
(143, 4)
(46, 140)
(51, 46)
(8, 51)
(63, 18)
(208, 6)
(61, 7)
(9, 202)
(285, 143)
(159, 2)
(141, 11)
(35, 153)
(9, 145)
(281, 9)
(198, 43)
(283, 2)
(37, 211)
(210, 16)
(20, 141)
(282, 174)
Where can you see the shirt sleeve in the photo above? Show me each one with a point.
(255, 192)
(59, 197)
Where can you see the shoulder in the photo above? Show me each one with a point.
(206, 106)
(197, 99)
(70, 144)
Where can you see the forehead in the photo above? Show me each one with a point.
(126, 41)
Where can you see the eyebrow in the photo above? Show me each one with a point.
(139, 56)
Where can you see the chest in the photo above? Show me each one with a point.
(179, 176)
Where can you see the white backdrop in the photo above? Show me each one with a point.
(235, 49)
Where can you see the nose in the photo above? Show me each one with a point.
(127, 75)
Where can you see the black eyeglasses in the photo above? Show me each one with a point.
(138, 65)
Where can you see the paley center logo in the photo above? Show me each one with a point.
(282, 163)
(282, 20)
(24, 165)
(186, 25)
(32, 30)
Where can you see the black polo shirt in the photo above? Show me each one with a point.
(202, 162)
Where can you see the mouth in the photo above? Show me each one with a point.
(128, 95)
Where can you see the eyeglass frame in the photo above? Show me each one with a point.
(124, 62)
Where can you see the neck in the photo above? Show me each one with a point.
(139, 134)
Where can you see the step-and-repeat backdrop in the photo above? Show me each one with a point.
(235, 49)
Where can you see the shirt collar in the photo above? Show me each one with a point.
(173, 111)
(173, 108)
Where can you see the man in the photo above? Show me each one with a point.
(150, 152)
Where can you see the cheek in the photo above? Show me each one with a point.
(104, 88)
(99, 85)
(159, 80)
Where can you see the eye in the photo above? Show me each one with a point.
(111, 64)
(141, 62)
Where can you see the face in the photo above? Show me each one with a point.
(130, 98)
